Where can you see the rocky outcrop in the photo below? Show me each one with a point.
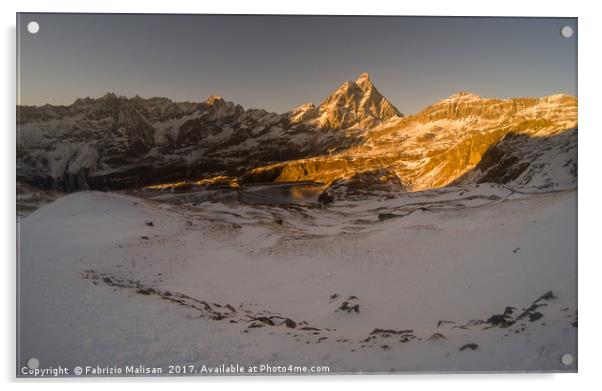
(523, 161)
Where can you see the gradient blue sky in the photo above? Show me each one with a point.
(280, 62)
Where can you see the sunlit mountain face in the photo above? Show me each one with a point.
(355, 136)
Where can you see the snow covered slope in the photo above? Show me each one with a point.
(470, 278)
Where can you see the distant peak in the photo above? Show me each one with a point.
(464, 95)
(83, 101)
(109, 95)
(213, 99)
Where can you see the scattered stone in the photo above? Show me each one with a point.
(535, 316)
(145, 291)
(144, 237)
(265, 320)
(349, 308)
(471, 346)
(549, 295)
(228, 306)
(290, 323)
(500, 321)
(107, 280)
(149, 223)
(391, 331)
(325, 198)
(533, 307)
(516, 250)
(387, 216)
(442, 322)
(436, 337)
(308, 328)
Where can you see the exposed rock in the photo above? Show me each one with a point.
(265, 319)
(535, 316)
(502, 321)
(349, 308)
(290, 323)
(387, 216)
(471, 346)
(436, 337)
(549, 295)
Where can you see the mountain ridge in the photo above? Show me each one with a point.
(116, 142)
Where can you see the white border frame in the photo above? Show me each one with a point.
(590, 271)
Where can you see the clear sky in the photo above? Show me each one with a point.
(280, 62)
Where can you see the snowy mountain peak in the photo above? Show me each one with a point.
(215, 99)
(109, 96)
(303, 113)
(356, 104)
(364, 82)
(464, 95)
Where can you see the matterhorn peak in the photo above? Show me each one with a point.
(355, 104)
(364, 82)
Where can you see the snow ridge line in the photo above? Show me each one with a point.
(512, 319)
(213, 311)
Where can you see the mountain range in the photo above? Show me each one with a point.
(354, 140)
